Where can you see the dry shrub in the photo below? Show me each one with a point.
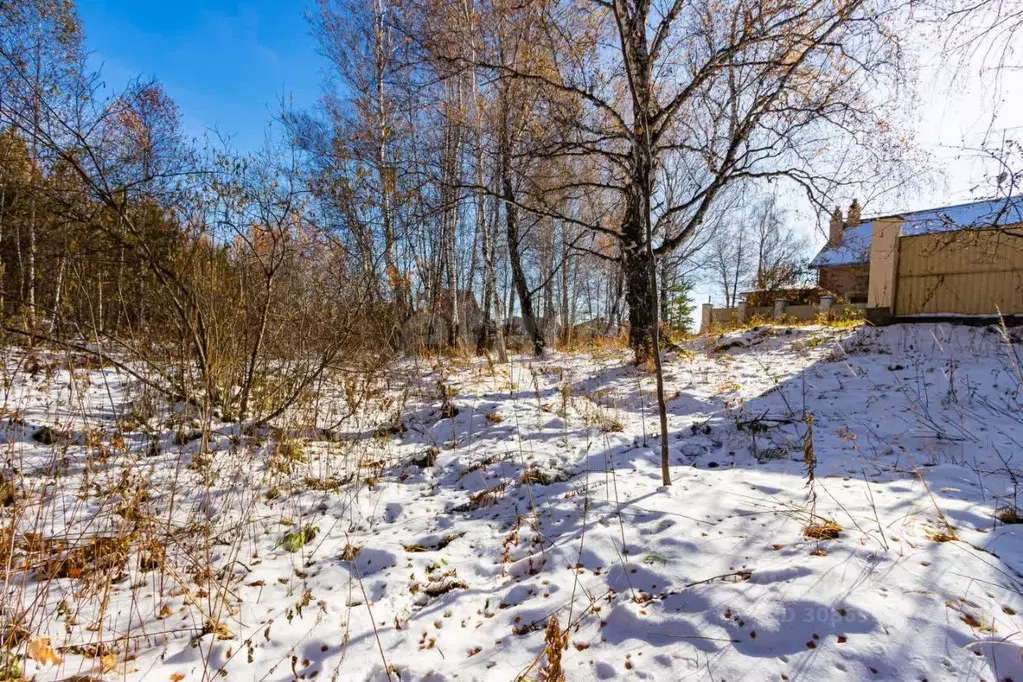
(766, 298)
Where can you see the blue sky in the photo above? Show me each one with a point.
(225, 63)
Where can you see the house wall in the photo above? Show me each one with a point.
(968, 272)
(848, 281)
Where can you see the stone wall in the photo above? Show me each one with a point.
(849, 282)
(717, 318)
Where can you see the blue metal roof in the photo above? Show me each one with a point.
(855, 247)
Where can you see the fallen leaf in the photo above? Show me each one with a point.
(40, 651)
(177, 677)
(107, 662)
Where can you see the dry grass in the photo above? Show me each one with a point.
(1008, 515)
(554, 642)
(134, 525)
(850, 321)
(825, 530)
(538, 476)
(947, 533)
(482, 499)
(596, 344)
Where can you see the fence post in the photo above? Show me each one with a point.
(705, 318)
(826, 302)
(741, 313)
(779, 308)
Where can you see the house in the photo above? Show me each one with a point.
(843, 265)
(965, 259)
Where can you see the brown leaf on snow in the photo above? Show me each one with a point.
(107, 662)
(971, 620)
(40, 651)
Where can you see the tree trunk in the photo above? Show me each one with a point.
(451, 265)
(614, 297)
(451, 215)
(19, 304)
(264, 316)
(99, 303)
(566, 280)
(36, 176)
(637, 229)
(55, 322)
(386, 171)
(640, 295)
(122, 311)
(663, 290)
(547, 272)
(511, 213)
(491, 295)
(511, 299)
(3, 269)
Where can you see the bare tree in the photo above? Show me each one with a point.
(780, 253)
(730, 259)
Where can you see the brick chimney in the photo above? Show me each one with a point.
(854, 214)
(835, 228)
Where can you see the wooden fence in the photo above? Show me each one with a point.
(967, 272)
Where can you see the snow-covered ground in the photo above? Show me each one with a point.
(436, 542)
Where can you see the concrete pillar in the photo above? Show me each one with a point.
(740, 314)
(826, 302)
(884, 269)
(779, 308)
(705, 319)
